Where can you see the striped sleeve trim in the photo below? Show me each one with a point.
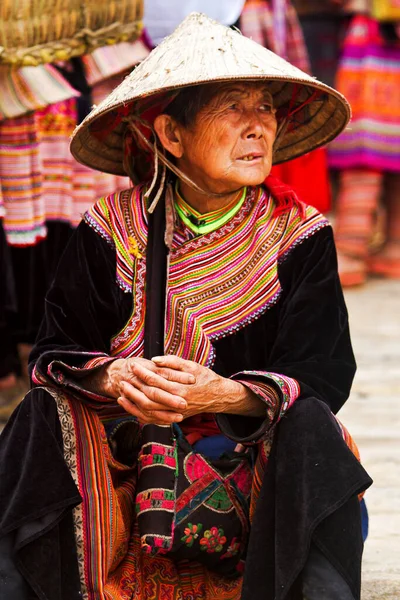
(69, 377)
(287, 389)
(267, 393)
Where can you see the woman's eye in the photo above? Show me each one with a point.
(268, 108)
(233, 106)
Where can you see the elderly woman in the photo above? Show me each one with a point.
(196, 327)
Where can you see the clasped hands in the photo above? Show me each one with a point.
(168, 389)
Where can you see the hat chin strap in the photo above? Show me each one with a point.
(159, 156)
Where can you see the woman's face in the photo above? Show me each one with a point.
(230, 143)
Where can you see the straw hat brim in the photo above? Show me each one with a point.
(323, 113)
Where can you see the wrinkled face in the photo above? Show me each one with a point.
(230, 143)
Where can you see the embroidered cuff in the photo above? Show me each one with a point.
(288, 388)
(277, 391)
(267, 393)
(67, 376)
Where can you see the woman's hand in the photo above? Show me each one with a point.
(129, 379)
(169, 389)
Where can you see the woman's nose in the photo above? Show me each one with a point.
(254, 128)
(255, 134)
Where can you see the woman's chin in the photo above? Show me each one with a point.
(247, 177)
(252, 179)
(253, 174)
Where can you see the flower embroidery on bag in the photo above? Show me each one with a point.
(213, 540)
(191, 532)
(232, 549)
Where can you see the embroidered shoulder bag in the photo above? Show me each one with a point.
(188, 506)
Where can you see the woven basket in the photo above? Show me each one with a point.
(34, 32)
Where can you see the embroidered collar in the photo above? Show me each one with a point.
(217, 282)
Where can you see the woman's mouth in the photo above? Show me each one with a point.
(250, 157)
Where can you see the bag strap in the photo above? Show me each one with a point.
(156, 525)
(156, 283)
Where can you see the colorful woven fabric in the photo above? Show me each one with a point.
(69, 188)
(109, 61)
(37, 173)
(357, 202)
(369, 76)
(257, 22)
(89, 185)
(31, 88)
(290, 389)
(111, 562)
(55, 125)
(40, 181)
(177, 488)
(247, 285)
(112, 565)
(21, 181)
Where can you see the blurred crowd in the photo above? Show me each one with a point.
(352, 45)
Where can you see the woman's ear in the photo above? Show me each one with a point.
(169, 134)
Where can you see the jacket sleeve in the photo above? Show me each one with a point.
(311, 353)
(84, 308)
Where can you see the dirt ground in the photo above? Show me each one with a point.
(373, 416)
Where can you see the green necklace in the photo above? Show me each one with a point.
(207, 222)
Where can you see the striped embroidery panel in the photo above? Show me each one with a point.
(217, 283)
(108, 219)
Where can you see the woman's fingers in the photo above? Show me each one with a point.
(158, 417)
(176, 376)
(144, 376)
(177, 363)
(144, 366)
(152, 398)
(162, 377)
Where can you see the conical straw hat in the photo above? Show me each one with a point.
(200, 51)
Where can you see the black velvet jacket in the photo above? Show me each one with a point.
(312, 478)
(305, 335)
